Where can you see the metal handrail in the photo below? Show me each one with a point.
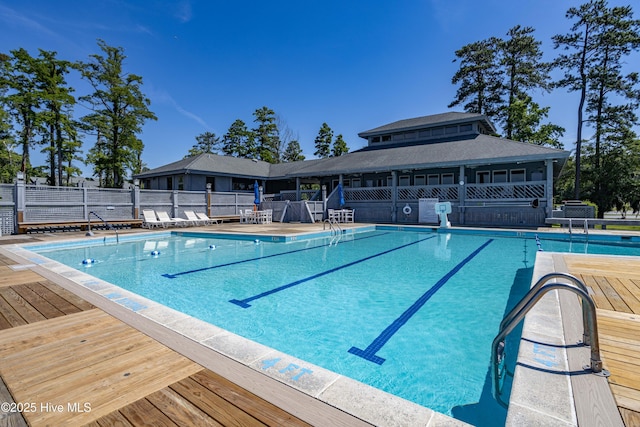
(90, 233)
(498, 345)
(331, 226)
(539, 284)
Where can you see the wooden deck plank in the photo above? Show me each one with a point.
(612, 295)
(44, 307)
(114, 419)
(10, 315)
(179, 410)
(143, 413)
(263, 410)
(68, 296)
(111, 383)
(213, 405)
(617, 297)
(11, 277)
(53, 298)
(35, 334)
(631, 293)
(598, 295)
(21, 305)
(9, 419)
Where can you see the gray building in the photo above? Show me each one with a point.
(451, 157)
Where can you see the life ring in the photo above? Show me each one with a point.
(407, 210)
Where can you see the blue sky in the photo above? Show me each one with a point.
(354, 64)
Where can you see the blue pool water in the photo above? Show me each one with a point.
(412, 313)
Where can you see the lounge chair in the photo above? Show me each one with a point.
(164, 218)
(208, 221)
(193, 218)
(150, 219)
(348, 214)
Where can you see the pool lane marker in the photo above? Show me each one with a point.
(197, 270)
(369, 353)
(244, 303)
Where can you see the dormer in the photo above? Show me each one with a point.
(429, 129)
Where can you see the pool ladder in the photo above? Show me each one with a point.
(511, 320)
(109, 226)
(334, 226)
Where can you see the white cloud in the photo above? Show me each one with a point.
(162, 97)
(14, 18)
(184, 12)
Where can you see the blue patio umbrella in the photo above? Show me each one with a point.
(341, 195)
(256, 193)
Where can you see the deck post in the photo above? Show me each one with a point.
(462, 194)
(135, 195)
(21, 200)
(394, 197)
(549, 189)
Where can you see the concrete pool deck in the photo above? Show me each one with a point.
(207, 343)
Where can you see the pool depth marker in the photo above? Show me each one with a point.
(244, 303)
(369, 353)
(197, 270)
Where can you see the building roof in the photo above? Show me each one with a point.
(429, 121)
(463, 150)
(478, 150)
(208, 163)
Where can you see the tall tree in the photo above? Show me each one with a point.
(58, 127)
(22, 100)
(579, 45)
(239, 141)
(119, 109)
(323, 141)
(526, 116)
(206, 142)
(339, 147)
(479, 78)
(524, 70)
(267, 135)
(293, 152)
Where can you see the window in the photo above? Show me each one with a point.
(425, 133)
(499, 176)
(410, 135)
(536, 176)
(447, 178)
(450, 130)
(517, 175)
(466, 128)
(180, 183)
(398, 137)
(405, 181)
(437, 131)
(369, 183)
(211, 180)
(389, 181)
(419, 180)
(483, 177)
(375, 139)
(170, 183)
(346, 183)
(386, 138)
(433, 179)
(355, 183)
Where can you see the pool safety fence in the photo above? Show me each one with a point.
(503, 204)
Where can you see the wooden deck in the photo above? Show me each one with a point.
(616, 291)
(69, 363)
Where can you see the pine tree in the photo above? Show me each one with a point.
(239, 141)
(323, 141)
(119, 109)
(339, 147)
(206, 142)
(293, 152)
(267, 135)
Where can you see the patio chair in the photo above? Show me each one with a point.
(193, 218)
(333, 215)
(163, 216)
(348, 214)
(208, 221)
(246, 216)
(150, 219)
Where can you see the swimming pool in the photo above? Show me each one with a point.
(409, 312)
